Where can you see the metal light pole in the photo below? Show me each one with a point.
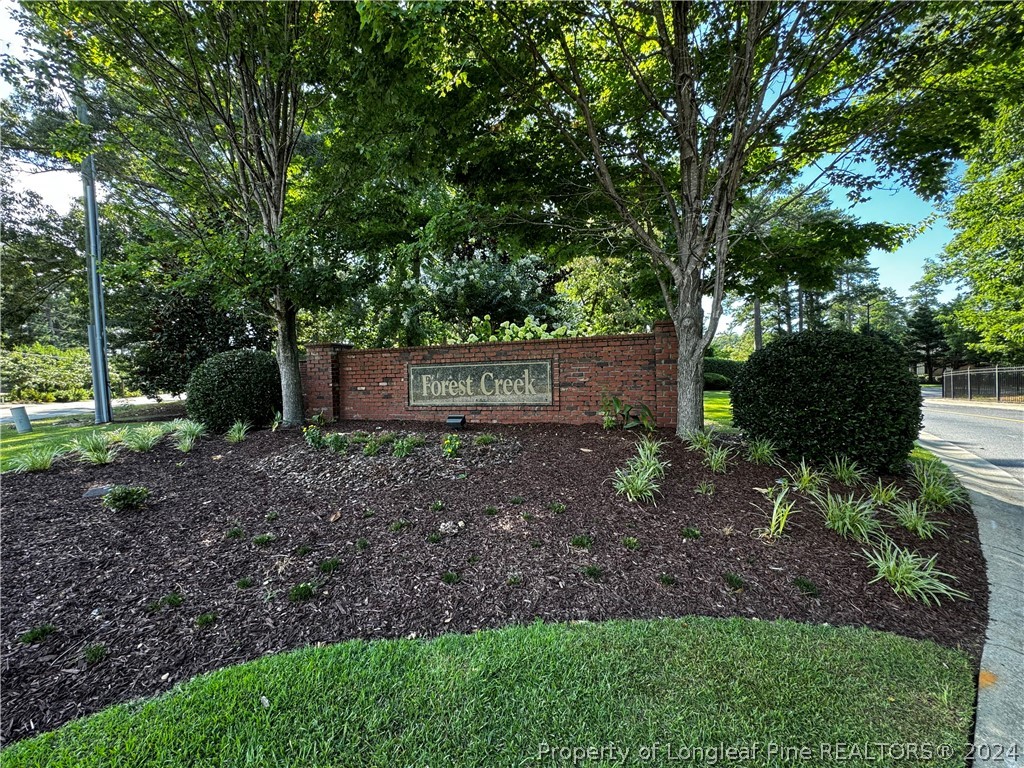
(97, 303)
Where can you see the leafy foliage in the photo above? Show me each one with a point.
(820, 394)
(910, 574)
(715, 381)
(240, 385)
(125, 498)
(850, 517)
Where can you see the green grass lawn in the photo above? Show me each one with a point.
(60, 430)
(717, 408)
(496, 698)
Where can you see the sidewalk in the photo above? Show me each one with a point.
(947, 401)
(998, 502)
(52, 410)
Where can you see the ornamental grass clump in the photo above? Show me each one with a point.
(237, 431)
(805, 478)
(911, 574)
(38, 459)
(125, 498)
(142, 439)
(94, 448)
(917, 519)
(849, 516)
(845, 470)
(761, 450)
(937, 487)
(782, 508)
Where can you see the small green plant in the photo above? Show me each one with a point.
(264, 540)
(204, 620)
(516, 500)
(37, 634)
(402, 447)
(593, 572)
(451, 577)
(331, 564)
(244, 583)
(490, 510)
(400, 525)
(359, 437)
(557, 507)
(184, 442)
(335, 442)
(806, 586)
(779, 516)
(301, 592)
(95, 448)
(172, 599)
(372, 447)
(690, 533)
(850, 517)
(514, 579)
(313, 435)
(271, 516)
(582, 541)
(884, 494)
(303, 550)
(234, 532)
(362, 545)
(527, 517)
(910, 574)
(761, 450)
(705, 488)
(700, 439)
(667, 579)
(450, 446)
(125, 498)
(276, 421)
(485, 439)
(636, 483)
(616, 413)
(631, 542)
(845, 470)
(434, 537)
(734, 581)
(437, 506)
(916, 519)
(717, 459)
(937, 487)
(142, 439)
(190, 428)
(237, 431)
(804, 478)
(94, 653)
(37, 459)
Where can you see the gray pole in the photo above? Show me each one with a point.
(97, 304)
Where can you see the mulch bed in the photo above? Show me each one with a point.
(99, 576)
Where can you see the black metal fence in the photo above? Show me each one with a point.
(1000, 383)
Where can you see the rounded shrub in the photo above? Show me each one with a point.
(716, 381)
(239, 385)
(822, 394)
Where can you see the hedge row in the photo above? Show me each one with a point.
(45, 373)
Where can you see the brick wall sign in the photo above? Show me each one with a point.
(523, 382)
(561, 380)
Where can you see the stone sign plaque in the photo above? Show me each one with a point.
(521, 382)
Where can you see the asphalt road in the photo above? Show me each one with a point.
(83, 407)
(996, 434)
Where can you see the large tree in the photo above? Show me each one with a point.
(680, 111)
(212, 116)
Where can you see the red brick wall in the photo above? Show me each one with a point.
(346, 383)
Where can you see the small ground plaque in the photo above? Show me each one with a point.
(522, 382)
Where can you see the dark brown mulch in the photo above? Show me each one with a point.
(97, 575)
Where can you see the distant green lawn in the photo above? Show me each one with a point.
(509, 697)
(63, 429)
(717, 408)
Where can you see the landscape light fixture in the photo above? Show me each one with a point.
(456, 422)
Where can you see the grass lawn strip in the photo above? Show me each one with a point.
(495, 697)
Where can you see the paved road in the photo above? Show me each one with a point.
(996, 434)
(50, 410)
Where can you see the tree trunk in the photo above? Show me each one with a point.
(688, 320)
(758, 335)
(287, 349)
(800, 309)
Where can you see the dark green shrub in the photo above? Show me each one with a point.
(719, 365)
(821, 394)
(240, 385)
(716, 381)
(125, 498)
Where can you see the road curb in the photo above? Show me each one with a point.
(997, 499)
